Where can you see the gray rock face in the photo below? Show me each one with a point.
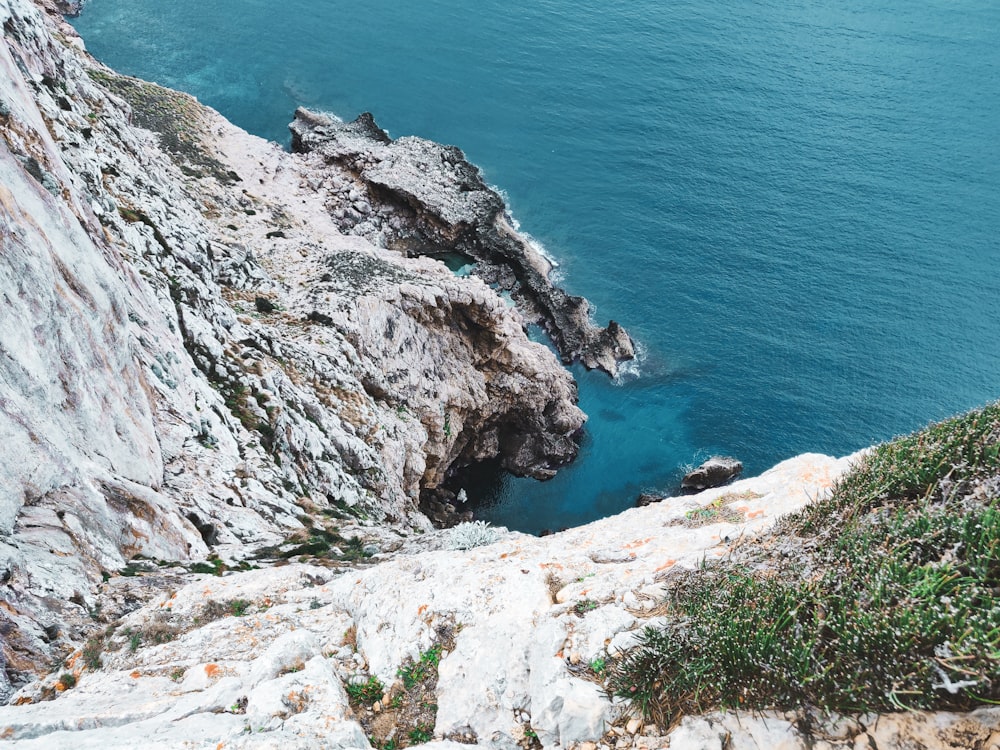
(439, 204)
(714, 472)
(193, 354)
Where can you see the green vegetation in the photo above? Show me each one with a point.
(68, 680)
(416, 672)
(176, 117)
(884, 596)
(92, 651)
(715, 512)
(366, 692)
(238, 607)
(420, 734)
(404, 715)
(214, 566)
(318, 543)
(584, 605)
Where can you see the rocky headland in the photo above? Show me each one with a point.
(431, 201)
(230, 375)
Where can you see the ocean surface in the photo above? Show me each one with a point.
(794, 205)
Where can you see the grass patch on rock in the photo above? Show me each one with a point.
(403, 714)
(882, 597)
(318, 544)
(176, 117)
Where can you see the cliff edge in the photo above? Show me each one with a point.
(229, 377)
(196, 358)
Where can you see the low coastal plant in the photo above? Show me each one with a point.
(415, 672)
(403, 714)
(420, 734)
(365, 690)
(884, 596)
(91, 653)
(472, 534)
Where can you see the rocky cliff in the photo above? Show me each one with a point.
(229, 375)
(194, 354)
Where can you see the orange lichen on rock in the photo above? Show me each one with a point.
(638, 543)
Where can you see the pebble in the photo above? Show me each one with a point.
(633, 726)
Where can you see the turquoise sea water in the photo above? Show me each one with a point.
(794, 206)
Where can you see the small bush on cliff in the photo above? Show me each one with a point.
(472, 534)
(365, 690)
(889, 600)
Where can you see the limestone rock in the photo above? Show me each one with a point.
(442, 205)
(714, 472)
(198, 357)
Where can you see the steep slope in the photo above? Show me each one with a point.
(198, 364)
(194, 355)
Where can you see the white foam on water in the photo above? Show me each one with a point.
(535, 245)
(632, 370)
(327, 113)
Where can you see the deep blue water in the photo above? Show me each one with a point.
(793, 205)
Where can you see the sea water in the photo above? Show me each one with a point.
(792, 205)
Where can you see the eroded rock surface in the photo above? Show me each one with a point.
(194, 357)
(530, 624)
(432, 201)
(528, 618)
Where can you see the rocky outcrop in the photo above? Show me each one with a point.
(267, 658)
(714, 472)
(194, 358)
(431, 201)
(530, 625)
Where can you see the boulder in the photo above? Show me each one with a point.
(715, 472)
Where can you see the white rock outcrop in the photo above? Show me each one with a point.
(194, 356)
(527, 617)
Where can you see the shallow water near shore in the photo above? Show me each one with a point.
(795, 208)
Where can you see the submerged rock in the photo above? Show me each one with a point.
(714, 472)
(441, 206)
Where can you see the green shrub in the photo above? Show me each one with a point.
(420, 734)
(889, 599)
(365, 690)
